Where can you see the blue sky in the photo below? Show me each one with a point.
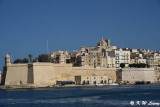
(26, 25)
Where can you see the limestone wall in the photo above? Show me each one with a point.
(16, 74)
(138, 74)
(67, 72)
(49, 73)
(63, 72)
(43, 73)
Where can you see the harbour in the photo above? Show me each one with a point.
(112, 96)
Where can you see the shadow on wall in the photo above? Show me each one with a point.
(30, 78)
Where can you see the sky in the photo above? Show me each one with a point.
(27, 25)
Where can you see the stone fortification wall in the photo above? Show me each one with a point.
(63, 72)
(67, 73)
(49, 73)
(16, 74)
(43, 73)
(138, 74)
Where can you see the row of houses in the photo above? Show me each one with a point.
(106, 56)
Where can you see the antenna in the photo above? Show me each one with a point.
(47, 48)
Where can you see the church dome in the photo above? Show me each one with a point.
(102, 42)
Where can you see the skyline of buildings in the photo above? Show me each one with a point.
(106, 56)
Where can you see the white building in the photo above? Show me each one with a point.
(120, 57)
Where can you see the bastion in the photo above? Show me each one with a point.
(49, 73)
(133, 75)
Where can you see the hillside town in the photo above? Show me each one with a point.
(106, 56)
(100, 65)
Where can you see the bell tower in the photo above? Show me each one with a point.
(7, 59)
(108, 42)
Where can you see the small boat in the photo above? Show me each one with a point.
(113, 84)
(99, 84)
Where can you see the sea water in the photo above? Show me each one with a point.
(104, 96)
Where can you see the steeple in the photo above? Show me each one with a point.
(101, 38)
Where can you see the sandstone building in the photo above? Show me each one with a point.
(106, 56)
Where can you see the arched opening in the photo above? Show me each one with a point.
(101, 81)
(87, 81)
(83, 81)
(105, 82)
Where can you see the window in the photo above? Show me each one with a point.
(117, 53)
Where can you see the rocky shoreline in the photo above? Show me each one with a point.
(25, 86)
(5, 87)
(33, 86)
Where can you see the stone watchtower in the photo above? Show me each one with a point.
(7, 60)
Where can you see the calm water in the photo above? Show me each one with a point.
(108, 96)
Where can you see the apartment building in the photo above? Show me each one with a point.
(152, 60)
(137, 58)
(97, 56)
(121, 56)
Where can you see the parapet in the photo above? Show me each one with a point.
(138, 69)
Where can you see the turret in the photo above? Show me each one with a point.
(7, 59)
